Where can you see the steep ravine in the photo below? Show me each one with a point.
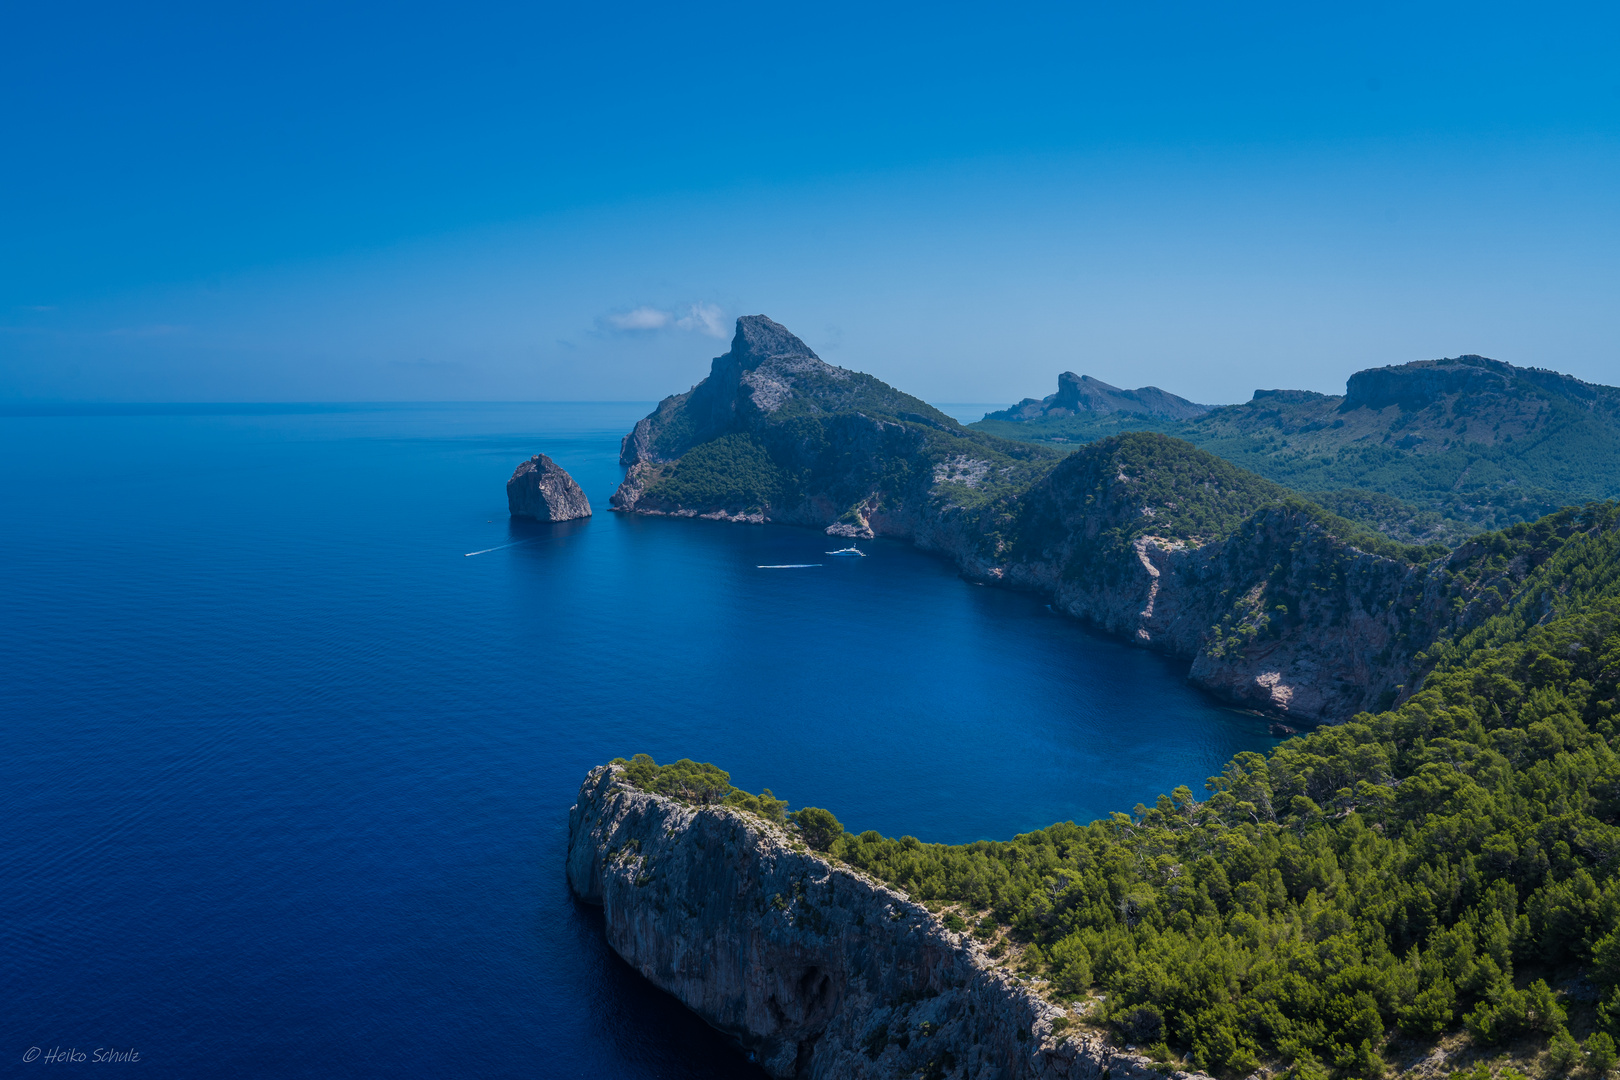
(817, 970)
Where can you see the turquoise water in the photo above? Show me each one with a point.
(289, 771)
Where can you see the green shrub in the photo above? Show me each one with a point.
(1431, 1011)
(1391, 870)
(818, 827)
(698, 782)
(1600, 1052)
(1563, 1052)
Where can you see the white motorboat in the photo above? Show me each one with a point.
(851, 550)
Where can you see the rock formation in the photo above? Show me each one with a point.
(819, 971)
(542, 490)
(1082, 394)
(777, 434)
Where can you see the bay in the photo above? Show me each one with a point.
(289, 769)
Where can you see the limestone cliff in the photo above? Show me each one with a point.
(818, 970)
(543, 490)
(1279, 605)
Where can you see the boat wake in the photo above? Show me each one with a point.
(497, 547)
(786, 566)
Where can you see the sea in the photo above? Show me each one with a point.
(293, 714)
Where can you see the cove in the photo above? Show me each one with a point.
(291, 770)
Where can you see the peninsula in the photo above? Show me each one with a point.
(1277, 602)
(1420, 891)
(1429, 886)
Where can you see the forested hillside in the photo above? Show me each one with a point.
(1428, 451)
(1442, 875)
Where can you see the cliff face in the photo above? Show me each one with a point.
(765, 368)
(1282, 616)
(543, 490)
(1272, 600)
(817, 970)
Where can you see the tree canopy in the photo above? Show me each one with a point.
(1447, 866)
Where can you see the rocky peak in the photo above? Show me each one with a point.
(766, 366)
(759, 339)
(1421, 383)
(1083, 394)
(1288, 397)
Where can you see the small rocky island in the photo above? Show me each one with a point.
(541, 489)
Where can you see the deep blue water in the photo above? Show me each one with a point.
(288, 773)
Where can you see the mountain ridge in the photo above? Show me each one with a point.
(1278, 603)
(1466, 443)
(1078, 394)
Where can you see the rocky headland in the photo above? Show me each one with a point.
(543, 490)
(1277, 603)
(818, 970)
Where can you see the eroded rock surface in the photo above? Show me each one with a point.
(819, 971)
(543, 490)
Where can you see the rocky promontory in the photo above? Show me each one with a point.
(817, 969)
(543, 490)
(1277, 604)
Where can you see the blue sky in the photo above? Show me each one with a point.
(313, 202)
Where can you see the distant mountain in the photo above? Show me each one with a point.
(1079, 394)
(1431, 450)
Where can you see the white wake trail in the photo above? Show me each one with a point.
(497, 547)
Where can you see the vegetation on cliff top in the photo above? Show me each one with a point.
(699, 783)
(845, 459)
(1446, 867)
(1142, 483)
(1439, 866)
(731, 471)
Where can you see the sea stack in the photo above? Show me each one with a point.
(543, 490)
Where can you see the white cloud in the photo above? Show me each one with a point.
(697, 318)
(641, 318)
(705, 319)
